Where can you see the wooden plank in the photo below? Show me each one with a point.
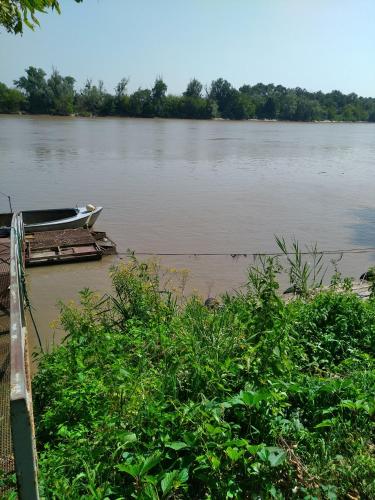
(64, 254)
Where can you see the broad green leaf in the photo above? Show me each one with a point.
(174, 479)
(213, 430)
(149, 463)
(215, 461)
(276, 456)
(254, 448)
(234, 454)
(149, 492)
(263, 454)
(237, 400)
(326, 423)
(128, 438)
(183, 476)
(177, 445)
(252, 398)
(131, 469)
(168, 481)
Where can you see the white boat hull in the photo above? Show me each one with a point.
(83, 218)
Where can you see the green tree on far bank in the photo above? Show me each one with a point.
(121, 97)
(35, 87)
(57, 95)
(41, 96)
(140, 103)
(61, 93)
(93, 100)
(194, 89)
(158, 94)
(11, 100)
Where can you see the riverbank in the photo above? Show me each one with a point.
(151, 395)
(253, 120)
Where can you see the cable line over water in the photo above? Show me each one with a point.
(249, 254)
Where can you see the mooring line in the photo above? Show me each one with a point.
(248, 254)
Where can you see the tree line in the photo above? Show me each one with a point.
(35, 93)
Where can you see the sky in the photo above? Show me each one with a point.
(314, 44)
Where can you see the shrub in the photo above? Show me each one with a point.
(150, 397)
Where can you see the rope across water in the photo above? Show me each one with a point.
(249, 254)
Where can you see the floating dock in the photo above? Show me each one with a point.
(69, 245)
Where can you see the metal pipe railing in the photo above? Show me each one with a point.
(22, 423)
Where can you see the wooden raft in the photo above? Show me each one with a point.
(69, 245)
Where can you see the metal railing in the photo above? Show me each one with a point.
(22, 423)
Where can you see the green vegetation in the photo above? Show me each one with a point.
(155, 396)
(56, 95)
(15, 14)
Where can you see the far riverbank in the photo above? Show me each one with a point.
(255, 120)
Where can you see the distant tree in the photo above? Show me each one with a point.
(36, 90)
(121, 103)
(239, 106)
(338, 98)
(232, 104)
(351, 113)
(172, 106)
(279, 89)
(108, 105)
(158, 93)
(121, 87)
(246, 89)
(262, 89)
(268, 109)
(91, 99)
(159, 89)
(11, 100)
(141, 103)
(249, 106)
(307, 110)
(197, 108)
(331, 112)
(194, 89)
(61, 92)
(371, 116)
(15, 14)
(222, 92)
(288, 106)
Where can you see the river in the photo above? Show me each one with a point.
(182, 186)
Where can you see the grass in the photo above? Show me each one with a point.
(153, 397)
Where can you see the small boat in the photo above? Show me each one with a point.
(5, 223)
(53, 219)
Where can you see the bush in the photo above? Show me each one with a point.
(151, 397)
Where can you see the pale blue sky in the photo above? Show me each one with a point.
(316, 44)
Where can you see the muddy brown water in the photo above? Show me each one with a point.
(184, 186)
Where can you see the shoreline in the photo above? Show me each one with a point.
(226, 120)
